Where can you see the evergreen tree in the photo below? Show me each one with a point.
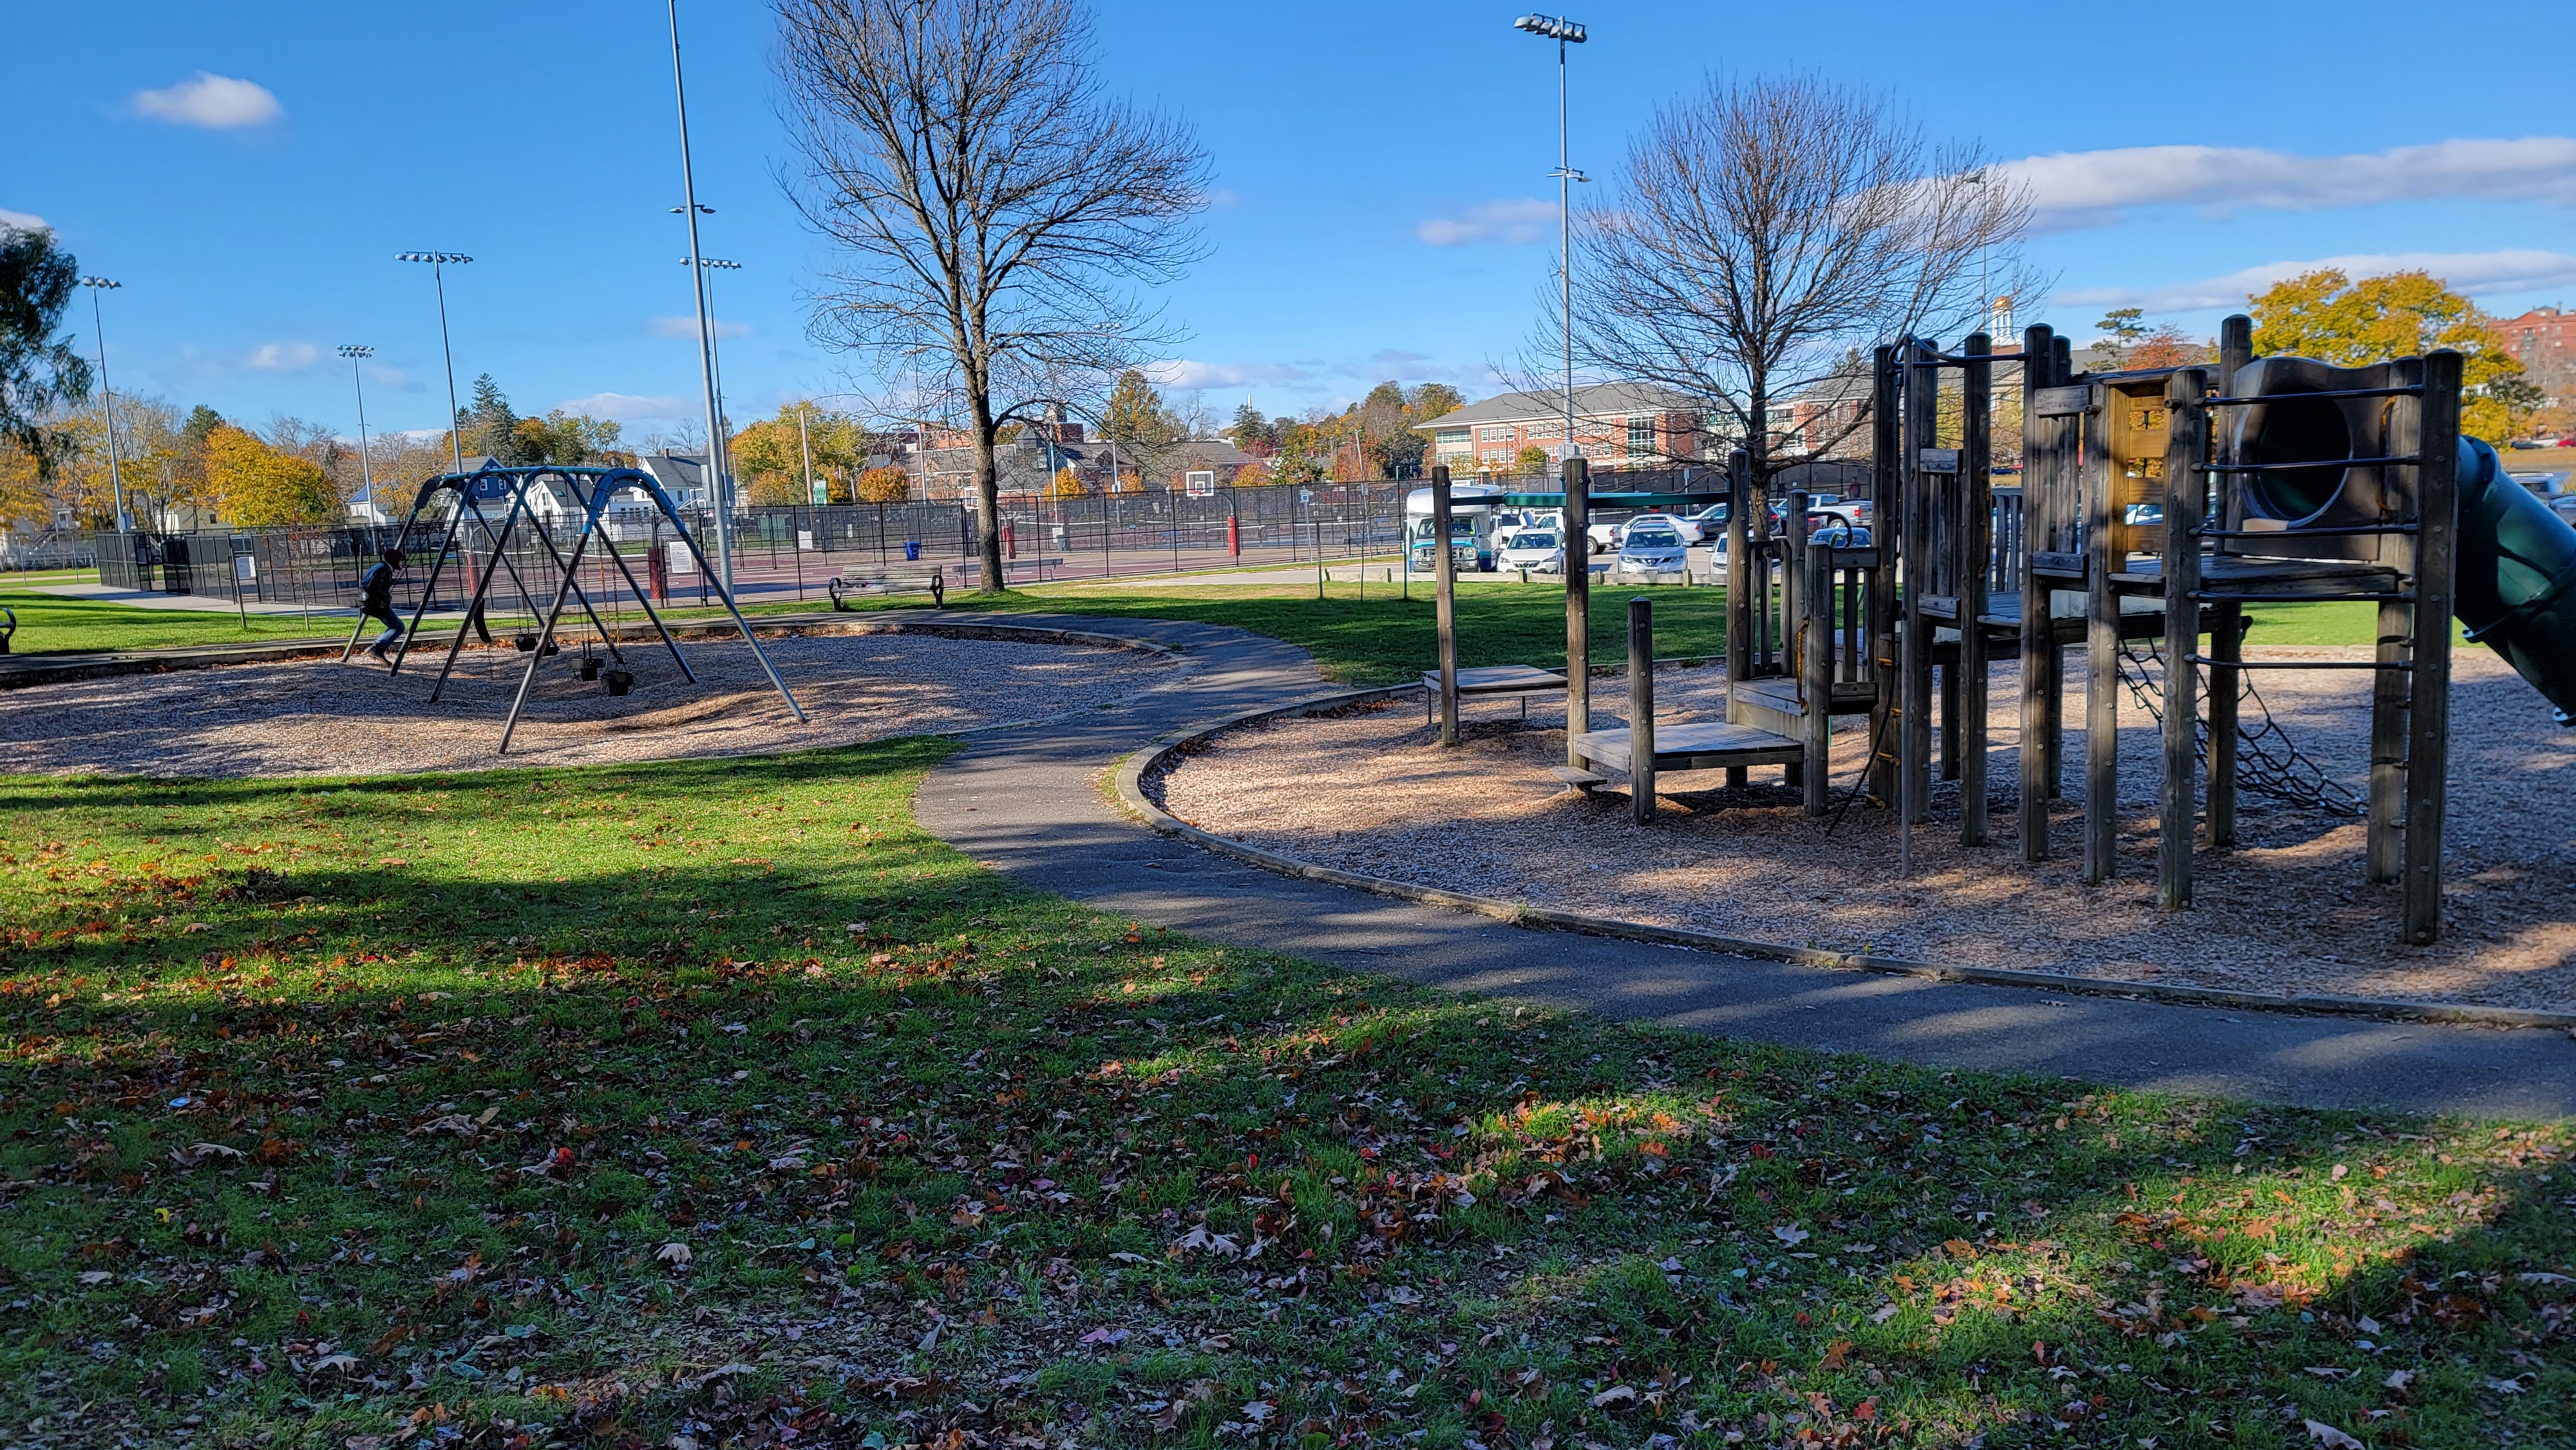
(1252, 433)
(491, 426)
(202, 420)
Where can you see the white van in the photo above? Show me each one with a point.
(1475, 511)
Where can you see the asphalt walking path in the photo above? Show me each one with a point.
(1033, 802)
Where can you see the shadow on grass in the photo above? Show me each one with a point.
(1009, 1168)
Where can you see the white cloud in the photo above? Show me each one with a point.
(2091, 188)
(219, 103)
(688, 327)
(1510, 222)
(2505, 271)
(285, 357)
(634, 407)
(1187, 373)
(23, 221)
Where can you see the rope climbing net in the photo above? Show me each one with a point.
(2268, 762)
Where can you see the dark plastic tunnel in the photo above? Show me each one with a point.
(2517, 577)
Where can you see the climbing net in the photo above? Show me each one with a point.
(2268, 762)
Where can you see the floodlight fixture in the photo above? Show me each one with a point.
(1552, 27)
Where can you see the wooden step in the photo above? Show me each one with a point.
(1694, 745)
(1581, 780)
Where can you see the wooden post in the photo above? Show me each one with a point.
(2102, 649)
(1816, 675)
(1878, 636)
(1794, 618)
(2038, 633)
(1641, 710)
(1922, 395)
(1976, 549)
(2429, 722)
(2383, 840)
(1445, 572)
(2186, 500)
(1739, 581)
(2227, 626)
(1578, 605)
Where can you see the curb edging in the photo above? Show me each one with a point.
(1157, 753)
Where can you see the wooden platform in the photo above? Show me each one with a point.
(1772, 705)
(1499, 680)
(1521, 680)
(1694, 745)
(2222, 574)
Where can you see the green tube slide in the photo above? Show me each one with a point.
(2517, 577)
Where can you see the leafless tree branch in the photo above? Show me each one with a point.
(998, 220)
(1763, 233)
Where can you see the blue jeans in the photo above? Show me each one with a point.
(393, 630)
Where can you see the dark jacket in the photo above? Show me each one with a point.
(376, 589)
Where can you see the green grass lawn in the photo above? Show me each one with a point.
(1382, 638)
(715, 1099)
(1360, 635)
(55, 623)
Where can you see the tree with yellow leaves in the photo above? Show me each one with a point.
(253, 484)
(769, 456)
(2328, 316)
(1066, 484)
(882, 485)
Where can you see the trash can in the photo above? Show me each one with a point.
(912, 551)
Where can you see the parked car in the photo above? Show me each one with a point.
(1539, 550)
(1654, 548)
(1689, 529)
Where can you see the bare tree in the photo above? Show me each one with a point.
(997, 216)
(1763, 232)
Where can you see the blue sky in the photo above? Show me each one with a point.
(1380, 166)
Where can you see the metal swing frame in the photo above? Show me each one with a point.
(591, 488)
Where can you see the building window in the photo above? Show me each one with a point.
(1452, 439)
(1641, 437)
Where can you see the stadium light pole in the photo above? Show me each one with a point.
(715, 350)
(1564, 33)
(107, 396)
(366, 463)
(438, 263)
(716, 472)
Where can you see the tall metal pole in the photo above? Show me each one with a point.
(805, 446)
(107, 403)
(366, 463)
(706, 332)
(1565, 244)
(455, 443)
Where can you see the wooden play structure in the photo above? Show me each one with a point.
(2144, 510)
(2154, 506)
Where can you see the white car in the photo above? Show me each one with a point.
(1689, 529)
(1540, 551)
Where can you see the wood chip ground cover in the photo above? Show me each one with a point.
(711, 1102)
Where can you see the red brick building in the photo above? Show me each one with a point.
(2543, 340)
(1617, 425)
